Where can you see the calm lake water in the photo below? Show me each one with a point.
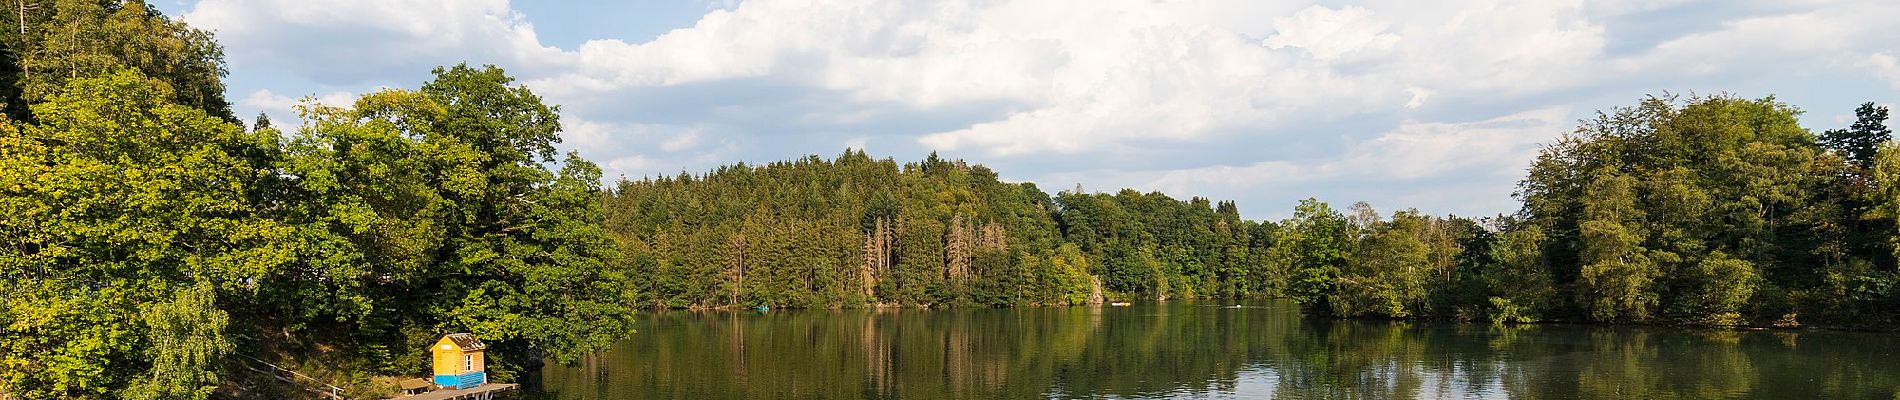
(1201, 350)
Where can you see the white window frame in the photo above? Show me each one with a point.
(468, 362)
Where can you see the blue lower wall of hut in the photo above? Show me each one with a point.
(462, 381)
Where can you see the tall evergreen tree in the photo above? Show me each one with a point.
(1862, 140)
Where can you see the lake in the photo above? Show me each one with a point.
(1204, 350)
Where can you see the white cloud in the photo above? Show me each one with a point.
(1418, 97)
(642, 150)
(1082, 75)
(681, 142)
(357, 41)
(630, 163)
(1497, 148)
(265, 100)
(1885, 67)
(585, 134)
(1828, 34)
(1093, 75)
(1350, 89)
(1413, 150)
(282, 106)
(1497, 48)
(1434, 149)
(630, 148)
(1328, 34)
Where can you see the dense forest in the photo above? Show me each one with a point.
(1700, 211)
(155, 245)
(1712, 211)
(855, 231)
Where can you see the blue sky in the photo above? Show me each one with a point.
(1434, 105)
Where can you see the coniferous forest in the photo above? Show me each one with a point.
(155, 244)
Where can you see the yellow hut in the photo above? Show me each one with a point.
(459, 361)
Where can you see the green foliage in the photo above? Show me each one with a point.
(188, 344)
(1720, 286)
(1382, 277)
(1886, 207)
(434, 211)
(1618, 272)
(1517, 281)
(855, 231)
(1505, 310)
(1861, 141)
(61, 40)
(1710, 211)
(114, 200)
(138, 227)
(1363, 265)
(1683, 211)
(128, 204)
(1068, 280)
(1313, 246)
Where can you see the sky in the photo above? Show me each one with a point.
(1434, 105)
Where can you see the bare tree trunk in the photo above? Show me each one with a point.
(956, 249)
(736, 265)
(26, 69)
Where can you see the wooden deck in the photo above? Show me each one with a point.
(483, 392)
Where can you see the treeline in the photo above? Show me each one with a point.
(150, 243)
(1700, 211)
(856, 231)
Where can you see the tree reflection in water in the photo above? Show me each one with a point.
(1190, 350)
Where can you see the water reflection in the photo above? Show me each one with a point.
(1187, 350)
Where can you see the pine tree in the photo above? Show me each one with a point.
(1861, 141)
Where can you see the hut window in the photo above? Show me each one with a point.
(468, 362)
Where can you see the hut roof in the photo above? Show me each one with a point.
(466, 341)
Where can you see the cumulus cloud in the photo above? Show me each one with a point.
(1467, 167)
(1327, 33)
(1415, 150)
(1090, 75)
(1379, 92)
(1885, 67)
(1123, 74)
(678, 147)
(681, 142)
(1827, 34)
(630, 163)
(357, 41)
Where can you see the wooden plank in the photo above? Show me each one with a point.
(479, 392)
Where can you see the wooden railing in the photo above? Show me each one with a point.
(288, 376)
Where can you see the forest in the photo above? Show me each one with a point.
(855, 231)
(1710, 211)
(155, 244)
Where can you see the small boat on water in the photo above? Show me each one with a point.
(1121, 304)
(761, 308)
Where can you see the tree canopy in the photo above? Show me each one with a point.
(142, 221)
(856, 231)
(1700, 211)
